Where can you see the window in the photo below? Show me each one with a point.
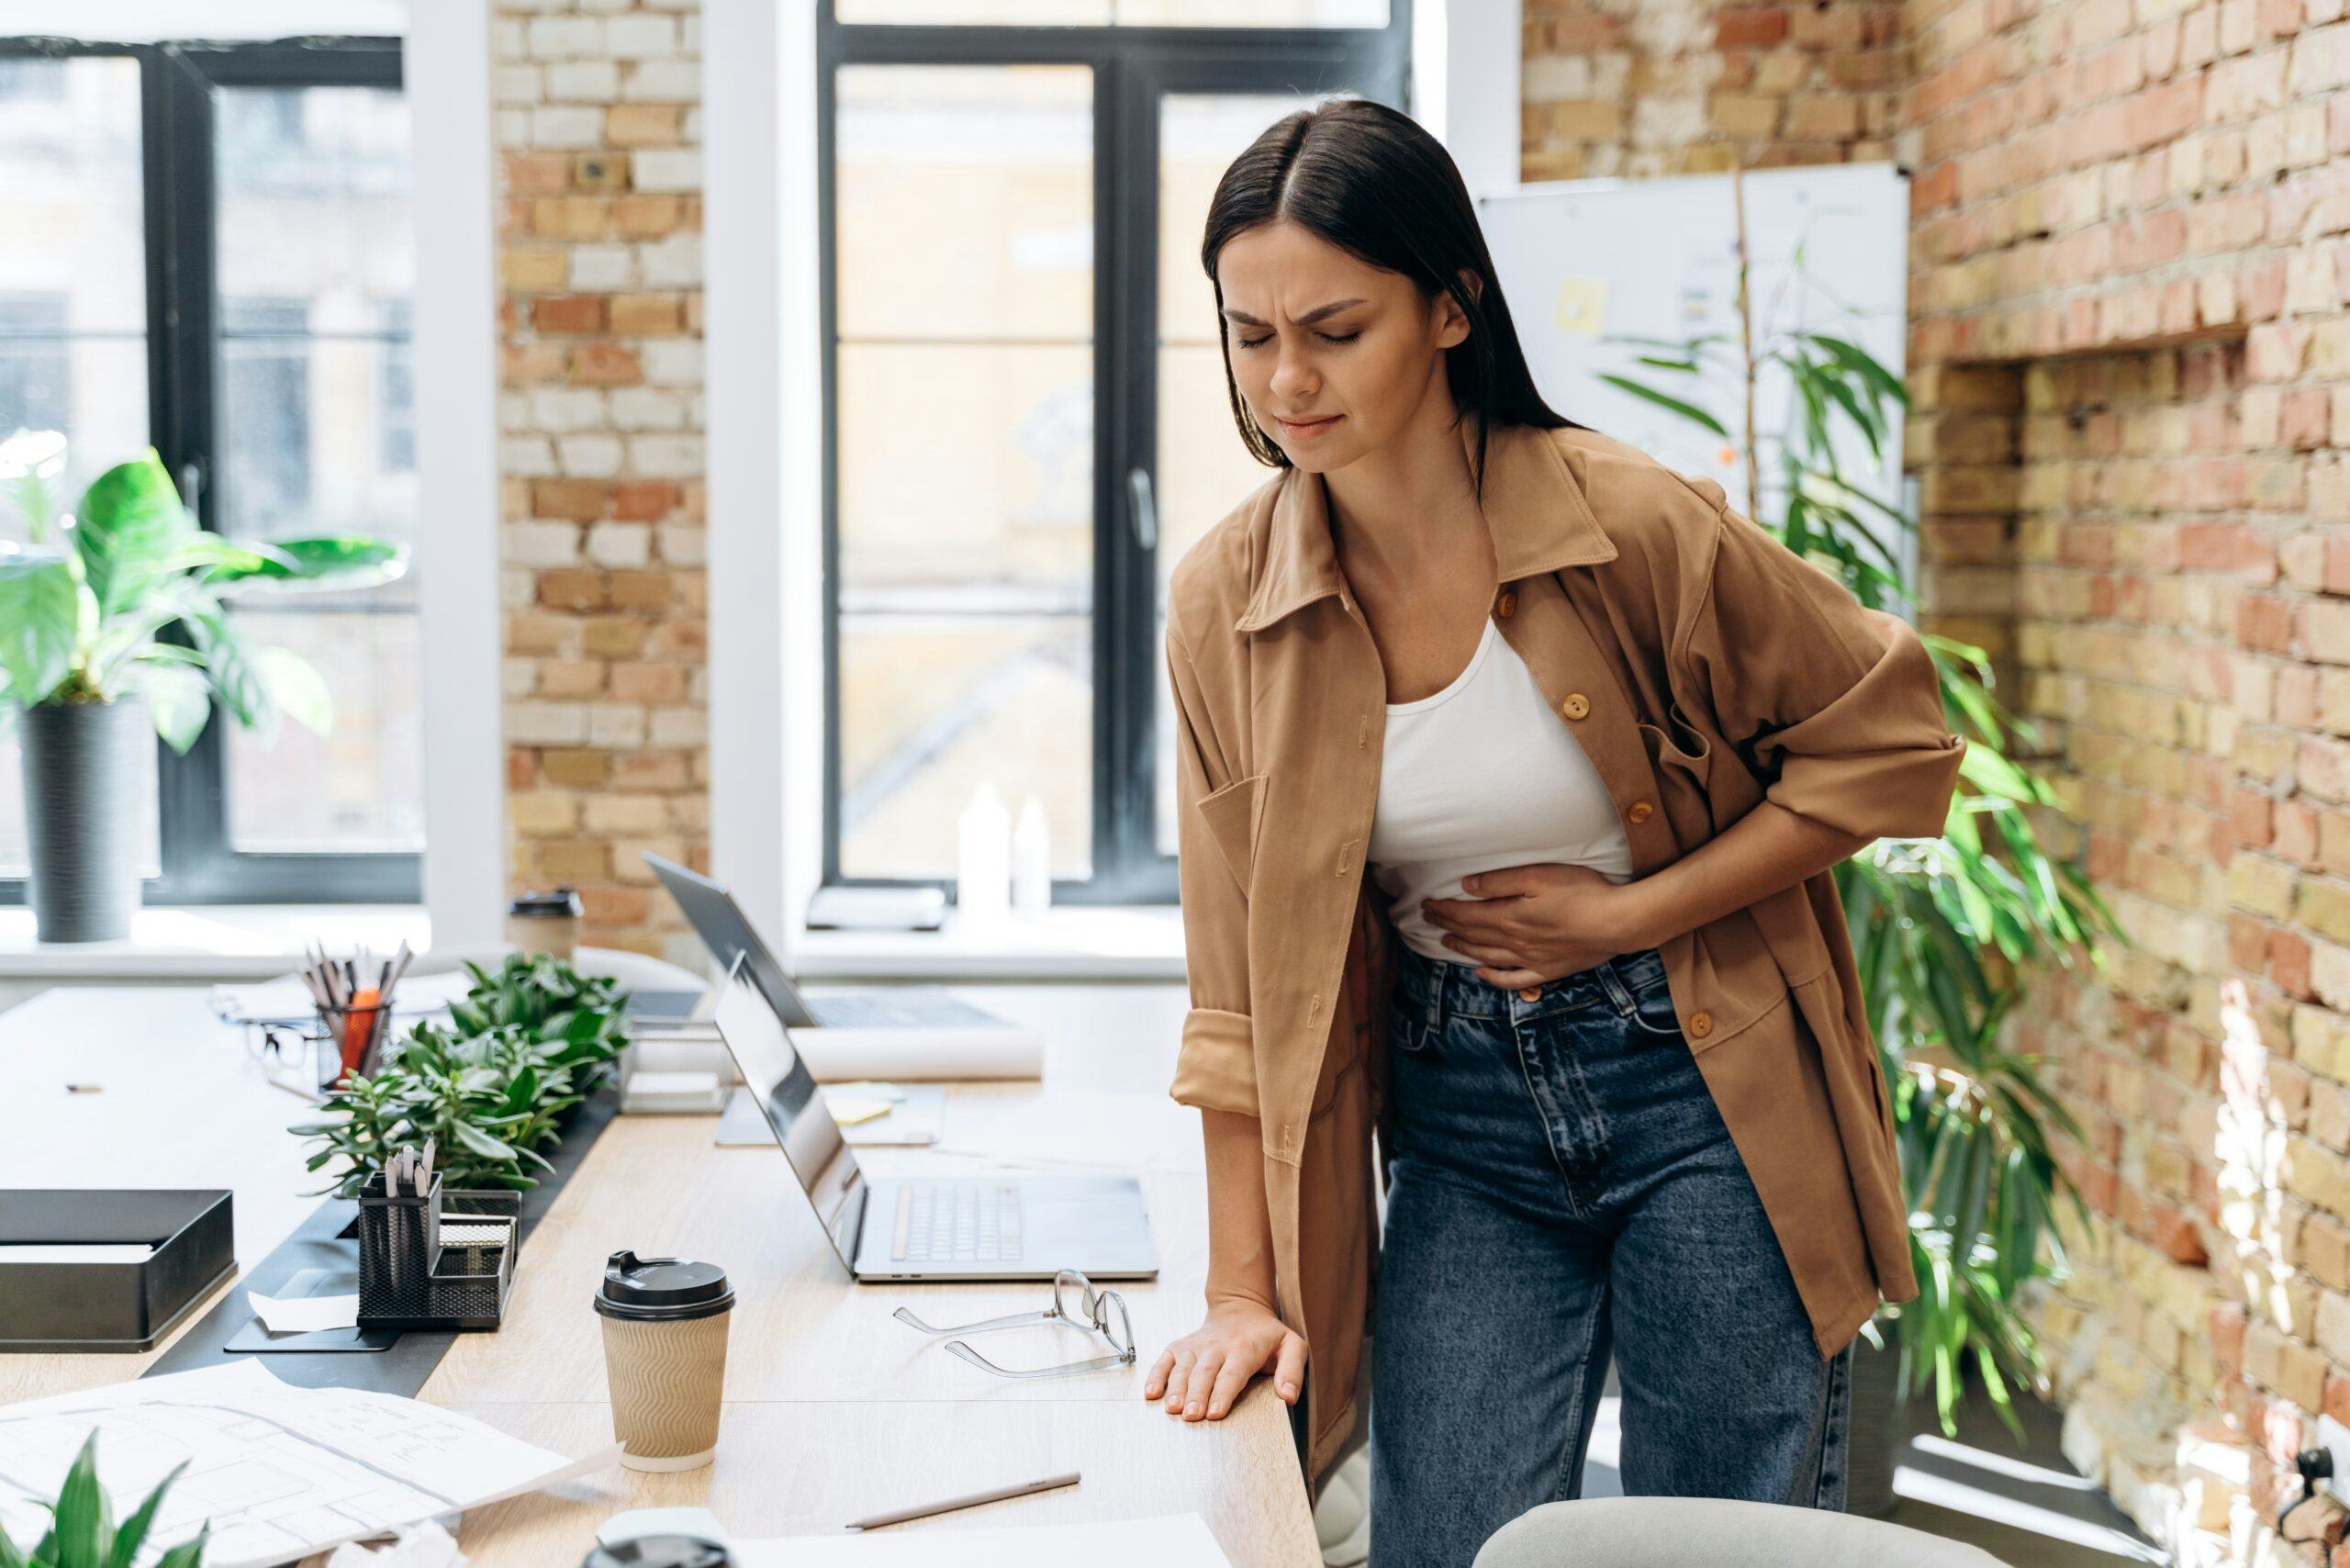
(216, 260)
(1026, 416)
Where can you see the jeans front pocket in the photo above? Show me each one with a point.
(1653, 1015)
(1409, 1029)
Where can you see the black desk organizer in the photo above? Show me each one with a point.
(423, 1266)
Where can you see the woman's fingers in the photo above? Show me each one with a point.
(1289, 1367)
(1500, 958)
(1156, 1384)
(1200, 1387)
(1176, 1380)
(1229, 1381)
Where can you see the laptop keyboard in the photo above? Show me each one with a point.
(966, 1222)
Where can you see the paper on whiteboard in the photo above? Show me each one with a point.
(955, 1052)
(1174, 1540)
(280, 1472)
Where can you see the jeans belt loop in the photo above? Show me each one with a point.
(1611, 980)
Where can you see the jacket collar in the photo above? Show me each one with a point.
(1533, 503)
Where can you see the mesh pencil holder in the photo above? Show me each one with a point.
(421, 1269)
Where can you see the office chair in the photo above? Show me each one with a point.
(1706, 1532)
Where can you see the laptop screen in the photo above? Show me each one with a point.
(787, 1095)
(723, 928)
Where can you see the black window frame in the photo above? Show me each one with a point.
(1132, 67)
(200, 864)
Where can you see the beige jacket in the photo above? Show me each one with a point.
(1704, 667)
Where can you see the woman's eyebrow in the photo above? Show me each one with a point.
(1318, 313)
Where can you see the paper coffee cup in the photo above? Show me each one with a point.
(665, 1357)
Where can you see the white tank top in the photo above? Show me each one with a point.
(1481, 776)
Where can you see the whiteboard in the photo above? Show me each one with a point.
(1582, 261)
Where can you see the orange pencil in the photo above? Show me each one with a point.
(358, 1028)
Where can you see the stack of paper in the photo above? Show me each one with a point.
(280, 1472)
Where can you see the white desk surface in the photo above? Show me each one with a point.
(832, 1407)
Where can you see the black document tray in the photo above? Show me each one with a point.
(109, 1307)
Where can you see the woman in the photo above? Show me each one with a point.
(1512, 769)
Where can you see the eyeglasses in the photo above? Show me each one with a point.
(1075, 1303)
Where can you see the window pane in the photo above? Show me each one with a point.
(72, 311)
(1124, 13)
(965, 202)
(72, 263)
(361, 787)
(314, 429)
(1205, 470)
(965, 374)
(943, 701)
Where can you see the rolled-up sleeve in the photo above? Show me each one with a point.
(1215, 1067)
(1835, 707)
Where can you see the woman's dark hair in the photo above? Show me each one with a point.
(1368, 179)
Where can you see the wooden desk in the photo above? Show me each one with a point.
(833, 1409)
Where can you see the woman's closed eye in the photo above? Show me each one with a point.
(1325, 336)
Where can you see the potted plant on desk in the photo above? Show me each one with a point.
(120, 625)
(82, 1531)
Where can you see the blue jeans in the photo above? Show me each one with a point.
(1562, 1186)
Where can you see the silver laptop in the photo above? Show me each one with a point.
(952, 1228)
(726, 931)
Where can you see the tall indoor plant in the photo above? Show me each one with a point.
(1944, 930)
(116, 620)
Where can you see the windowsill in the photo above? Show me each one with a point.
(1072, 941)
(209, 942)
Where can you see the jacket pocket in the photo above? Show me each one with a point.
(1233, 815)
(1681, 758)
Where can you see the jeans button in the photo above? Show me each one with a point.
(1530, 993)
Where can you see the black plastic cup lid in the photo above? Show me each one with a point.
(562, 901)
(659, 1552)
(662, 1289)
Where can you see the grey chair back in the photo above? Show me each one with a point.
(1706, 1532)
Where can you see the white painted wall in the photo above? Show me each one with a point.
(151, 21)
(447, 77)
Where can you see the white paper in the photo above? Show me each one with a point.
(1173, 1541)
(76, 1252)
(954, 1051)
(281, 1472)
(425, 1546)
(304, 1313)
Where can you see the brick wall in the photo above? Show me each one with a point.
(601, 494)
(2132, 365)
(1634, 88)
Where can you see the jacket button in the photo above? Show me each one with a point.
(1638, 812)
(1507, 605)
(1530, 993)
(1701, 1024)
(1576, 706)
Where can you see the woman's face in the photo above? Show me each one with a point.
(1334, 355)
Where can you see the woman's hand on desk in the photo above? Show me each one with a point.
(1203, 1372)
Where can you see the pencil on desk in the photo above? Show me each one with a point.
(993, 1495)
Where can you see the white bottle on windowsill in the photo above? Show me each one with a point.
(1031, 862)
(983, 859)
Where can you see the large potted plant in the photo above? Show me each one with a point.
(1944, 931)
(115, 623)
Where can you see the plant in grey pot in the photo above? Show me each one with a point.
(115, 623)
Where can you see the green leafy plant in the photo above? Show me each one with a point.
(528, 1043)
(83, 1534)
(1943, 930)
(133, 598)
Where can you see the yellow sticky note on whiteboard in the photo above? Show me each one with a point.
(1583, 304)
